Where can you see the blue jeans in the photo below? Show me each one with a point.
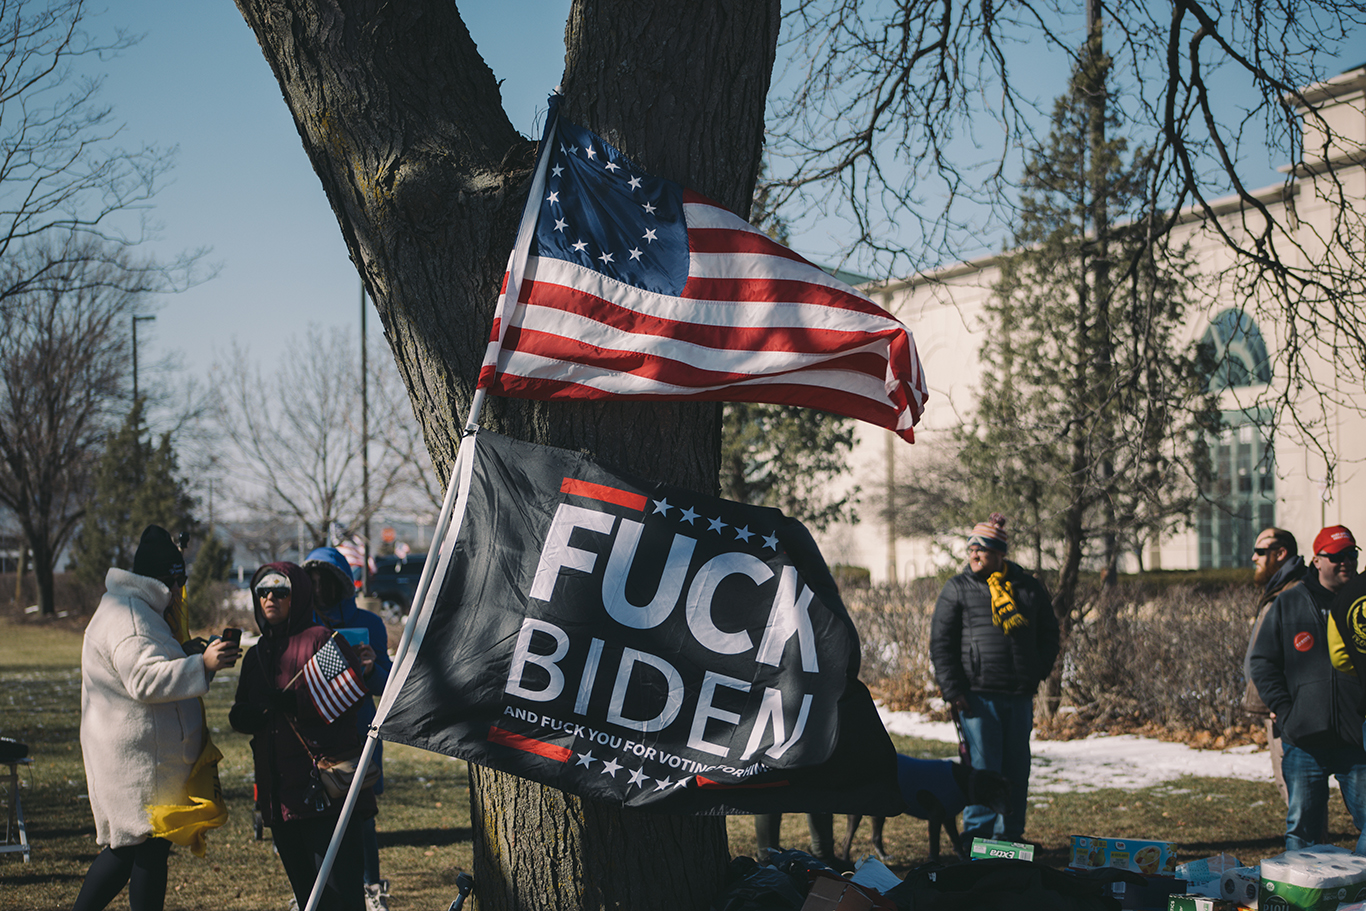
(1306, 782)
(997, 733)
(369, 848)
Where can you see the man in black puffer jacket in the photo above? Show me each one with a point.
(1314, 705)
(992, 641)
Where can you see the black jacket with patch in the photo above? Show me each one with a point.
(1315, 705)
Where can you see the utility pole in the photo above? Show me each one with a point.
(364, 445)
(136, 320)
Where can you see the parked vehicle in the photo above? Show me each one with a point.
(394, 581)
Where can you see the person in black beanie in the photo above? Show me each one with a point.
(993, 640)
(142, 726)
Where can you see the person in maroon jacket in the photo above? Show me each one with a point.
(287, 733)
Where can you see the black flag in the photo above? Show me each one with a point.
(641, 644)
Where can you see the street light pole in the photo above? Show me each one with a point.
(137, 319)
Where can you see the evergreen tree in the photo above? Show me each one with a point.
(211, 565)
(782, 455)
(1089, 430)
(135, 486)
(785, 456)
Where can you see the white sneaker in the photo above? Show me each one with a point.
(377, 896)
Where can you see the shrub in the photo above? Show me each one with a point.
(1142, 654)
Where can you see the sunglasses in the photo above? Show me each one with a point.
(1343, 556)
(276, 593)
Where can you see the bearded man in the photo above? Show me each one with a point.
(1277, 566)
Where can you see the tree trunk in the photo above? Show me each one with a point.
(403, 123)
(44, 567)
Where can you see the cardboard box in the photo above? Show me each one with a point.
(989, 849)
(1151, 858)
(1198, 903)
(834, 893)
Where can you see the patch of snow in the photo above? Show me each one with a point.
(1100, 761)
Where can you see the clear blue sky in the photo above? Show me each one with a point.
(243, 186)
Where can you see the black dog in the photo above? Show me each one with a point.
(936, 790)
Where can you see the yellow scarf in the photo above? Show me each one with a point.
(1005, 613)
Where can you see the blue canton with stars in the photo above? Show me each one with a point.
(599, 210)
(330, 661)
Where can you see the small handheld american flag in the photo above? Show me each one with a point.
(332, 683)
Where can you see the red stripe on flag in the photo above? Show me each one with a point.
(724, 240)
(679, 372)
(716, 785)
(797, 339)
(605, 494)
(777, 291)
(527, 745)
(806, 297)
(833, 400)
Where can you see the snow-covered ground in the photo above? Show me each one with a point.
(1122, 761)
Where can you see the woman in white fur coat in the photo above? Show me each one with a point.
(141, 722)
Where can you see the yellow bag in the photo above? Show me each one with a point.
(187, 824)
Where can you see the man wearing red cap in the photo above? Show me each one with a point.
(993, 639)
(1314, 705)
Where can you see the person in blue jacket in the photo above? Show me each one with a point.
(334, 605)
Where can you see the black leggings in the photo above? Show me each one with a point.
(302, 843)
(142, 868)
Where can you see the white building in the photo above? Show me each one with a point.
(945, 312)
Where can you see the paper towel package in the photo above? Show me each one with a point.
(1316, 879)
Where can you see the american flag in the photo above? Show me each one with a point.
(633, 287)
(332, 683)
(354, 552)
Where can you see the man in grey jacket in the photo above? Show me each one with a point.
(1313, 705)
(993, 639)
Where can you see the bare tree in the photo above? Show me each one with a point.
(898, 102)
(69, 201)
(295, 443)
(418, 487)
(404, 125)
(63, 176)
(64, 358)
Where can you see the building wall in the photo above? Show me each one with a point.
(944, 311)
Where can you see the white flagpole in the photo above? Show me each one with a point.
(516, 269)
(423, 605)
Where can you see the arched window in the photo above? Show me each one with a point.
(1241, 500)
(1235, 352)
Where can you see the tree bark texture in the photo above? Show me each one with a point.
(403, 123)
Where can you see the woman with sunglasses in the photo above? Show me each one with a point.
(289, 734)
